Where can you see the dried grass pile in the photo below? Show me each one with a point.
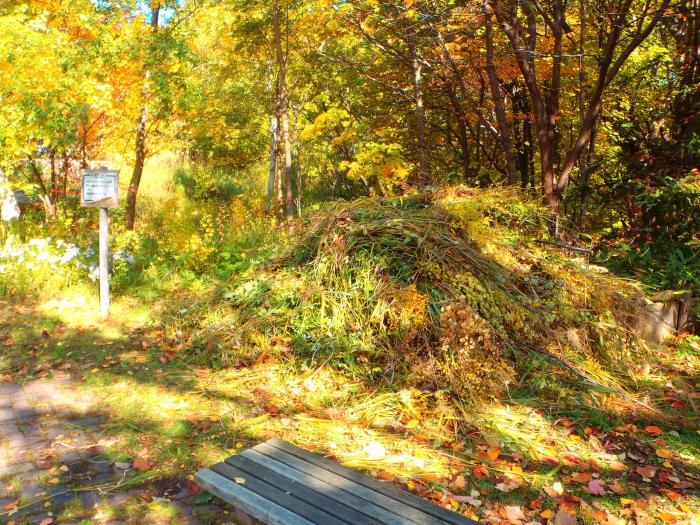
(447, 291)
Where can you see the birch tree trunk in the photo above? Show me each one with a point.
(274, 140)
(282, 108)
(424, 164)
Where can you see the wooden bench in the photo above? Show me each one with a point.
(280, 484)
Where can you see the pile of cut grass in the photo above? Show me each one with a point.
(446, 291)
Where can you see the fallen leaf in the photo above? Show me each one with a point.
(54, 481)
(481, 471)
(653, 429)
(564, 517)
(672, 495)
(142, 464)
(582, 477)
(555, 490)
(618, 466)
(467, 499)
(413, 423)
(240, 481)
(546, 514)
(550, 459)
(460, 482)
(46, 521)
(514, 513)
(667, 518)
(646, 472)
(10, 505)
(617, 488)
(507, 486)
(664, 453)
(570, 458)
(595, 488)
(493, 453)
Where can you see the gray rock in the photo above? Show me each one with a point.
(24, 443)
(15, 469)
(91, 423)
(118, 499)
(71, 455)
(9, 390)
(32, 490)
(8, 428)
(90, 498)
(99, 463)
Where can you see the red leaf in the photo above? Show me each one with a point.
(653, 429)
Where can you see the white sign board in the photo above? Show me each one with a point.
(100, 189)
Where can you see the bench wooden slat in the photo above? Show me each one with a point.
(257, 506)
(327, 489)
(283, 499)
(312, 497)
(353, 475)
(406, 512)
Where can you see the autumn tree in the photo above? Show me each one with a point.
(539, 34)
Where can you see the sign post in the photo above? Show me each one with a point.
(100, 189)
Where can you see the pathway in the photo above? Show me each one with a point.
(54, 457)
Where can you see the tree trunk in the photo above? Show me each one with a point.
(138, 169)
(274, 140)
(140, 158)
(497, 96)
(282, 108)
(53, 196)
(49, 207)
(280, 191)
(461, 133)
(299, 181)
(424, 164)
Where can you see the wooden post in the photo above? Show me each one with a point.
(104, 263)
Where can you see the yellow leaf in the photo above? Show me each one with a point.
(493, 453)
(54, 481)
(624, 502)
(412, 424)
(546, 514)
(663, 453)
(240, 481)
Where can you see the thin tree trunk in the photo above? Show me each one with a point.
(282, 108)
(280, 190)
(424, 164)
(53, 196)
(65, 168)
(461, 133)
(497, 95)
(140, 157)
(274, 140)
(44, 196)
(299, 181)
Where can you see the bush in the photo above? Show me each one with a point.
(201, 182)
